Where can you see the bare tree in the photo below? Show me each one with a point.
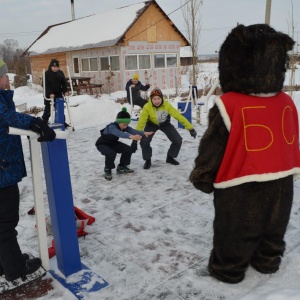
(7, 52)
(292, 59)
(192, 23)
(11, 54)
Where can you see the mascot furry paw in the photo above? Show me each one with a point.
(253, 132)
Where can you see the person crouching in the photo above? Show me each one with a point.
(108, 143)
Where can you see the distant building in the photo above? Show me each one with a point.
(134, 39)
(186, 56)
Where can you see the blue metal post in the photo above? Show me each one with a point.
(59, 189)
(187, 114)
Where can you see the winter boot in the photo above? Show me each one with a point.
(124, 170)
(32, 265)
(172, 161)
(25, 257)
(147, 164)
(107, 174)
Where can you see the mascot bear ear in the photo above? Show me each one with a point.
(252, 60)
(287, 41)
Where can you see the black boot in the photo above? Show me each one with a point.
(107, 174)
(32, 265)
(172, 161)
(25, 257)
(147, 164)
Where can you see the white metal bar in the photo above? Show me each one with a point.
(16, 131)
(130, 95)
(48, 99)
(70, 81)
(212, 89)
(69, 111)
(187, 101)
(38, 201)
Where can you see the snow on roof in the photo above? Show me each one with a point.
(186, 52)
(100, 30)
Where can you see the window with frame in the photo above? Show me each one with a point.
(76, 65)
(171, 60)
(165, 60)
(137, 62)
(115, 63)
(159, 61)
(110, 61)
(89, 64)
(144, 61)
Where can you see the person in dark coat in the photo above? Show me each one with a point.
(249, 154)
(14, 264)
(108, 143)
(55, 87)
(136, 87)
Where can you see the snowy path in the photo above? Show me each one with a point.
(153, 231)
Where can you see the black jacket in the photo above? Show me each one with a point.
(55, 83)
(135, 90)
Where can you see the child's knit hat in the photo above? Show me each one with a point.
(156, 92)
(3, 68)
(135, 76)
(123, 116)
(54, 63)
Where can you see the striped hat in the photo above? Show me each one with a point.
(3, 68)
(123, 116)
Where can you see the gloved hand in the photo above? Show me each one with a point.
(193, 133)
(134, 146)
(45, 132)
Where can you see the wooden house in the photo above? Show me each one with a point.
(110, 47)
(186, 56)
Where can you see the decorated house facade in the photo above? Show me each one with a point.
(110, 47)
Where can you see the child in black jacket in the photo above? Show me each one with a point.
(108, 143)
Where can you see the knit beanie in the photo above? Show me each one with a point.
(156, 92)
(135, 76)
(54, 63)
(3, 68)
(123, 116)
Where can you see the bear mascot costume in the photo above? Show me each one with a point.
(249, 154)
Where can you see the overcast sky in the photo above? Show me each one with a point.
(24, 20)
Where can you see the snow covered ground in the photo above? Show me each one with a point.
(153, 231)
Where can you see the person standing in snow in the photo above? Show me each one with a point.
(108, 143)
(14, 264)
(55, 86)
(254, 133)
(156, 115)
(136, 87)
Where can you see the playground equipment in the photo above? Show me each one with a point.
(212, 89)
(60, 198)
(66, 99)
(185, 107)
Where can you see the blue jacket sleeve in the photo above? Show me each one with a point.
(10, 118)
(134, 131)
(113, 129)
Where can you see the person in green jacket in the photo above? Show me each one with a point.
(156, 115)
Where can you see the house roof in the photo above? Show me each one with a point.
(99, 30)
(186, 52)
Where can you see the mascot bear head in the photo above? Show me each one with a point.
(252, 59)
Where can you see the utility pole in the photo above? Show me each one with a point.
(268, 12)
(72, 10)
